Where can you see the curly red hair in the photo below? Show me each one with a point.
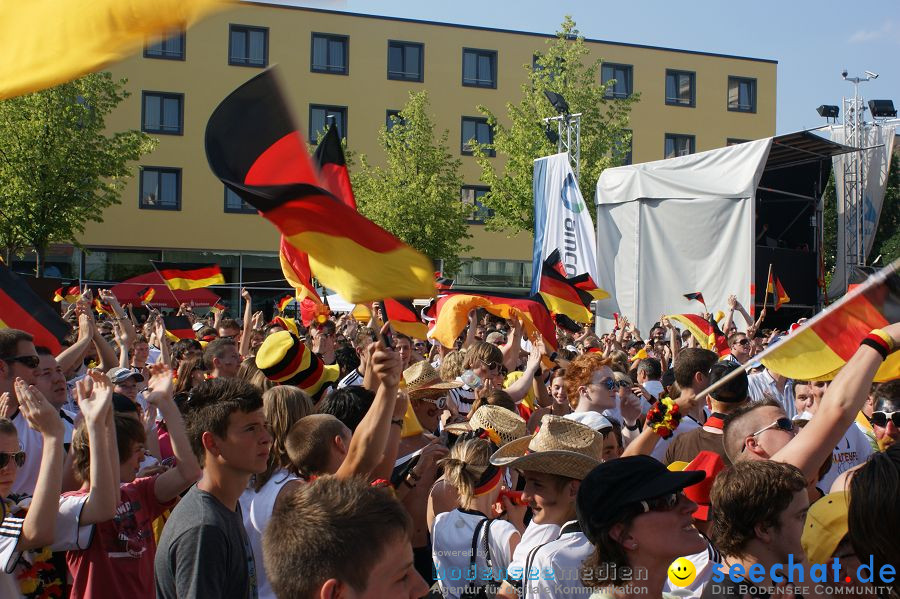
(580, 372)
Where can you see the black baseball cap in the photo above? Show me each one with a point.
(736, 389)
(617, 484)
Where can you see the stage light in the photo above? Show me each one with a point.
(882, 108)
(557, 101)
(829, 111)
(551, 134)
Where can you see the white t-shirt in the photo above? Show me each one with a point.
(555, 570)
(703, 566)
(535, 534)
(353, 378)
(256, 508)
(32, 443)
(10, 531)
(852, 450)
(687, 424)
(451, 549)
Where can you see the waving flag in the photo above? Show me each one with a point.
(695, 296)
(185, 277)
(818, 349)
(706, 332)
(146, 295)
(253, 146)
(776, 289)
(571, 296)
(102, 308)
(333, 167)
(284, 302)
(70, 294)
(21, 308)
(178, 327)
(404, 319)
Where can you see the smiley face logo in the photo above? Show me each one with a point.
(682, 572)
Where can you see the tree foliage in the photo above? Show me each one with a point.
(605, 137)
(59, 169)
(416, 196)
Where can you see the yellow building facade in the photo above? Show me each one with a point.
(359, 67)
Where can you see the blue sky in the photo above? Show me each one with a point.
(813, 41)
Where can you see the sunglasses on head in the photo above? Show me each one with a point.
(492, 366)
(785, 424)
(18, 457)
(663, 503)
(27, 361)
(438, 402)
(881, 418)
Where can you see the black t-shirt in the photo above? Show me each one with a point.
(204, 552)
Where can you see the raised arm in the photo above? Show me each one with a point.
(171, 483)
(512, 346)
(73, 354)
(95, 403)
(244, 349)
(522, 386)
(40, 521)
(470, 332)
(843, 399)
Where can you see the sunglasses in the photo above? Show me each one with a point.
(622, 384)
(609, 383)
(492, 366)
(438, 402)
(744, 341)
(27, 361)
(18, 457)
(663, 503)
(785, 424)
(881, 418)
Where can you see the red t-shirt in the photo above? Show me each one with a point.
(119, 560)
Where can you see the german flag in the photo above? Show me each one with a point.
(695, 296)
(818, 349)
(185, 277)
(146, 295)
(218, 306)
(706, 332)
(284, 302)
(442, 283)
(178, 327)
(333, 167)
(102, 308)
(253, 146)
(561, 295)
(21, 308)
(404, 319)
(453, 314)
(69, 294)
(295, 266)
(777, 290)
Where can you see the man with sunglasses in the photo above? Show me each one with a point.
(740, 347)
(886, 414)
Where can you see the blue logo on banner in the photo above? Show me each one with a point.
(569, 195)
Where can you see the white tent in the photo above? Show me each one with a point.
(677, 226)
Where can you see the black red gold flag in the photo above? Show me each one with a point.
(21, 308)
(333, 167)
(178, 327)
(185, 277)
(404, 319)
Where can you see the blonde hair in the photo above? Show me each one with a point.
(250, 373)
(467, 462)
(452, 365)
(283, 406)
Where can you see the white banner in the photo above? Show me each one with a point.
(561, 220)
(876, 162)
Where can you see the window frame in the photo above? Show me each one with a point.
(479, 51)
(693, 76)
(403, 45)
(242, 210)
(739, 79)
(328, 108)
(182, 57)
(615, 65)
(666, 137)
(160, 170)
(247, 29)
(462, 135)
(162, 95)
(345, 39)
(470, 219)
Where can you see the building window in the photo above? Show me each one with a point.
(741, 94)
(406, 61)
(235, 204)
(319, 116)
(479, 68)
(679, 145)
(162, 113)
(680, 88)
(731, 141)
(248, 46)
(622, 86)
(471, 195)
(330, 54)
(476, 130)
(170, 48)
(160, 188)
(393, 117)
(623, 147)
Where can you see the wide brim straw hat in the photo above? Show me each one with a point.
(508, 425)
(422, 380)
(560, 446)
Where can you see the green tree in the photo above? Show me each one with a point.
(415, 195)
(58, 167)
(605, 137)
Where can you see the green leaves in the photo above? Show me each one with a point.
(416, 194)
(562, 68)
(58, 167)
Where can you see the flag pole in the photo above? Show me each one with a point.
(177, 303)
(768, 281)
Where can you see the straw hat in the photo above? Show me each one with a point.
(560, 446)
(422, 380)
(508, 425)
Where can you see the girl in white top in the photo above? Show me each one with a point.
(283, 406)
(469, 470)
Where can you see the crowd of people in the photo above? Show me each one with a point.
(345, 459)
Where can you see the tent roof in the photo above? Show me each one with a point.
(801, 147)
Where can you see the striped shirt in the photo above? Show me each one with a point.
(762, 385)
(353, 378)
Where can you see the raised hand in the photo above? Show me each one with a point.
(386, 362)
(94, 393)
(630, 406)
(160, 384)
(6, 407)
(38, 412)
(732, 302)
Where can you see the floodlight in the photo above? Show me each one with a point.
(882, 108)
(557, 101)
(829, 111)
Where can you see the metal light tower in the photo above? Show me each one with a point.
(572, 123)
(854, 175)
